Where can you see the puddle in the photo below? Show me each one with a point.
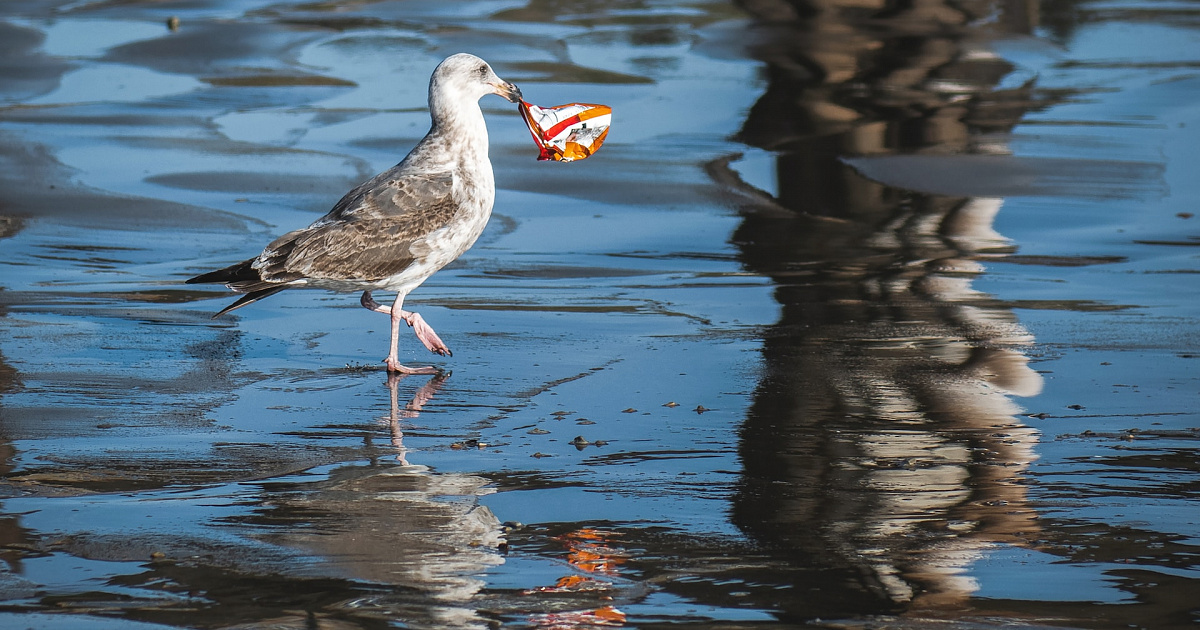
(859, 318)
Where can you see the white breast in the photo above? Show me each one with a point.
(475, 190)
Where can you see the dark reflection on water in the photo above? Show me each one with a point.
(885, 447)
(882, 447)
(12, 535)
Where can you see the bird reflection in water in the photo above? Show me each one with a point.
(411, 409)
(423, 534)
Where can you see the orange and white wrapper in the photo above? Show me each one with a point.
(567, 132)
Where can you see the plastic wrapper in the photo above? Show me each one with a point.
(567, 132)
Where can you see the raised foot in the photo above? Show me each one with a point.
(393, 366)
(425, 333)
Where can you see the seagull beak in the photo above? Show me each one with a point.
(508, 91)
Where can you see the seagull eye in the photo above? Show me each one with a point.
(482, 71)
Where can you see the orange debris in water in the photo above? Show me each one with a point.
(586, 550)
(609, 613)
(603, 617)
(571, 581)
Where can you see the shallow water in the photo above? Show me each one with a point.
(862, 317)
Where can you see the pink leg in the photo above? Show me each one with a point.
(423, 331)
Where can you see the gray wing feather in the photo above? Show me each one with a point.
(393, 193)
(368, 233)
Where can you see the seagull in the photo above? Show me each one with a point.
(396, 229)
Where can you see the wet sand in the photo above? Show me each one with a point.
(861, 316)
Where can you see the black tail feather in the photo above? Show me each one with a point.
(250, 298)
(243, 278)
(241, 272)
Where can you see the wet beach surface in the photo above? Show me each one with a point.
(864, 316)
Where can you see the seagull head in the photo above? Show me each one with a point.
(467, 77)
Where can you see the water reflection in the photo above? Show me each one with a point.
(8, 374)
(596, 560)
(882, 446)
(375, 540)
(12, 535)
(398, 524)
(411, 409)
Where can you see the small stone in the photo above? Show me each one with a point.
(580, 441)
(540, 455)
(537, 431)
(173, 23)
(671, 404)
(1075, 407)
(629, 410)
(701, 409)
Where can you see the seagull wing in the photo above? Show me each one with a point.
(369, 233)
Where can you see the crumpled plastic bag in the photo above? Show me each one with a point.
(567, 132)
